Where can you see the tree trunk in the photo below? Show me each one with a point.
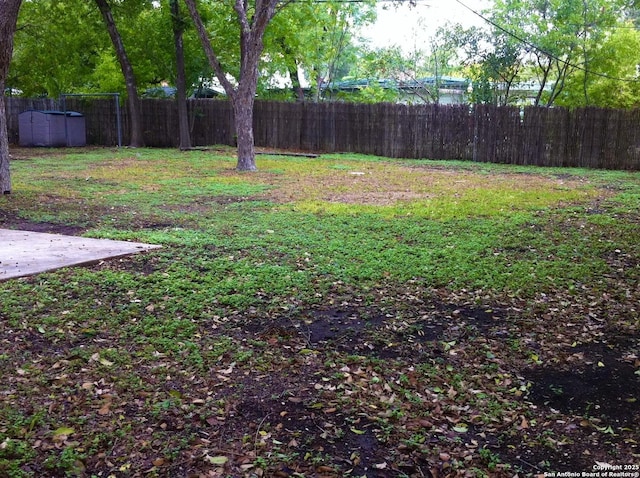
(292, 67)
(5, 170)
(251, 45)
(243, 117)
(137, 139)
(296, 84)
(181, 86)
(250, 50)
(543, 81)
(8, 18)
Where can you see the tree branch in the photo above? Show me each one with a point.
(241, 10)
(208, 49)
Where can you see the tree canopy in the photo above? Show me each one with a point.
(564, 52)
(555, 49)
(62, 46)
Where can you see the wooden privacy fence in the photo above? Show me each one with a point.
(582, 137)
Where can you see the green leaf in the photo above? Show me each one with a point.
(105, 362)
(217, 460)
(63, 431)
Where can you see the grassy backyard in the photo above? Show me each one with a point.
(340, 316)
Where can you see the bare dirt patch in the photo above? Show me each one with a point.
(22, 154)
(377, 198)
(11, 221)
(382, 185)
(601, 384)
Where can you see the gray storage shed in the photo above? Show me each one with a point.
(52, 128)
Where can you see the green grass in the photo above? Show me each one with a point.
(482, 229)
(163, 333)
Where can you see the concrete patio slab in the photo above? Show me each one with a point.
(24, 253)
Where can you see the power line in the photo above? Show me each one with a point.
(545, 52)
(410, 2)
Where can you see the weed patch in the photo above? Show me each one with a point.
(325, 317)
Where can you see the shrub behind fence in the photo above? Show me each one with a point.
(583, 137)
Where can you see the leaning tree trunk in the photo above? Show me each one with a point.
(8, 18)
(137, 139)
(181, 87)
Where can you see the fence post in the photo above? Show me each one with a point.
(474, 157)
